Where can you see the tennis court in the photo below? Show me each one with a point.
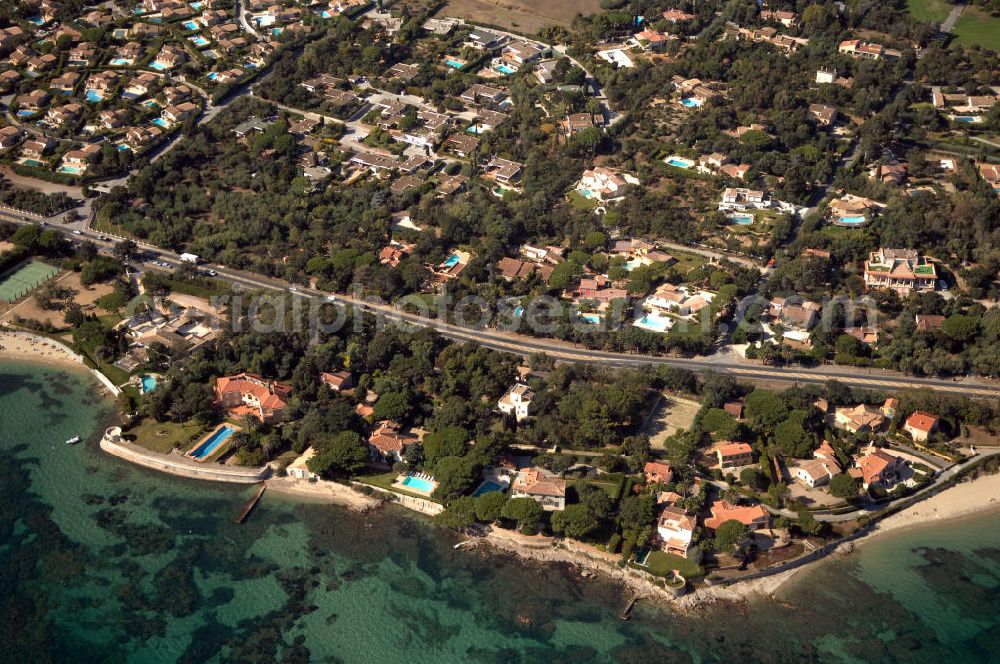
(17, 284)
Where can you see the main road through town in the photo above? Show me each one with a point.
(522, 344)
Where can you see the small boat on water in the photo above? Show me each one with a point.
(73, 440)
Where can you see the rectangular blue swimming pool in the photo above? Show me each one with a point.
(418, 484)
(487, 487)
(212, 443)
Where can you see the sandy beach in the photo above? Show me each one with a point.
(325, 492)
(972, 497)
(36, 348)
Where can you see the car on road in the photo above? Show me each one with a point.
(77, 232)
(213, 273)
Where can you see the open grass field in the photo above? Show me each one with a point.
(662, 563)
(976, 27)
(164, 436)
(928, 10)
(524, 16)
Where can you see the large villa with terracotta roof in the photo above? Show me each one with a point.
(901, 270)
(249, 394)
(549, 491)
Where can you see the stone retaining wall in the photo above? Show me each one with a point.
(421, 505)
(174, 465)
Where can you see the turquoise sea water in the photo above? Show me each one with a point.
(106, 562)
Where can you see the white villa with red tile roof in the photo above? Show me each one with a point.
(387, 443)
(247, 393)
(675, 528)
(752, 516)
(732, 456)
(658, 472)
(549, 491)
(337, 381)
(878, 468)
(921, 425)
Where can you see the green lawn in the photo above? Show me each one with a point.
(662, 563)
(613, 489)
(164, 436)
(685, 261)
(977, 27)
(577, 200)
(928, 10)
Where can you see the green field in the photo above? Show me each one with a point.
(18, 284)
(976, 27)
(164, 436)
(928, 10)
(661, 563)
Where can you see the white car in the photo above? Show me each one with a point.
(77, 232)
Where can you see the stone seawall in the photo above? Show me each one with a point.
(176, 465)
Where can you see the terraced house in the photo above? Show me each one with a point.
(901, 270)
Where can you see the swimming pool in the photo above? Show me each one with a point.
(451, 261)
(158, 66)
(631, 264)
(690, 102)
(147, 384)
(213, 75)
(593, 319)
(24, 113)
(160, 122)
(487, 487)
(34, 163)
(586, 193)
(741, 219)
(121, 147)
(968, 119)
(199, 41)
(196, 6)
(120, 62)
(851, 221)
(37, 20)
(418, 484)
(454, 63)
(94, 96)
(679, 163)
(150, 103)
(505, 69)
(519, 310)
(654, 323)
(212, 443)
(72, 170)
(475, 129)
(190, 25)
(276, 31)
(325, 13)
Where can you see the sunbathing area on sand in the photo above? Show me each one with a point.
(975, 496)
(28, 346)
(323, 491)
